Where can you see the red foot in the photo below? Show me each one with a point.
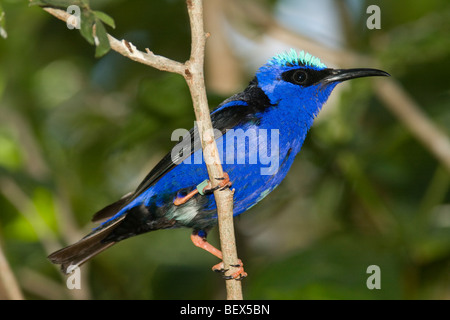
(223, 184)
(238, 275)
(201, 242)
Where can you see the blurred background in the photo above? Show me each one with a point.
(370, 187)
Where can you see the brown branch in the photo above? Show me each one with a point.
(25, 206)
(193, 73)
(412, 116)
(194, 76)
(128, 50)
(8, 283)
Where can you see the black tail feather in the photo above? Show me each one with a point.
(78, 253)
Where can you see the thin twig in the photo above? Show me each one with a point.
(128, 50)
(405, 108)
(193, 73)
(8, 282)
(25, 206)
(224, 198)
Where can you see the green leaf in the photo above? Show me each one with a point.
(59, 3)
(101, 39)
(37, 3)
(87, 22)
(105, 18)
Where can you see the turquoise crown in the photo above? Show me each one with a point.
(294, 58)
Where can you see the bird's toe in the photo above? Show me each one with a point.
(239, 274)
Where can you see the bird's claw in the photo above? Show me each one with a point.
(223, 184)
(239, 278)
(237, 275)
(220, 270)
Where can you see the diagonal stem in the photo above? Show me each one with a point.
(224, 198)
(8, 282)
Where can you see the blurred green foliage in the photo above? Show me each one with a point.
(78, 132)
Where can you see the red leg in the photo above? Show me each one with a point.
(183, 200)
(201, 242)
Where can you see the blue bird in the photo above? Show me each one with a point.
(259, 131)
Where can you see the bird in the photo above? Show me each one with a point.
(272, 115)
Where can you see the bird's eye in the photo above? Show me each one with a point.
(299, 77)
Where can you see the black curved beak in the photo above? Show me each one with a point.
(338, 75)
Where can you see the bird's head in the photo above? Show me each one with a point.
(298, 78)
